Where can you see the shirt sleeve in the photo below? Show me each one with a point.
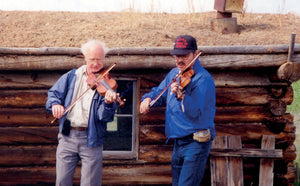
(57, 93)
(106, 111)
(195, 99)
(155, 91)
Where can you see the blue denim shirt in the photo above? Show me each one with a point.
(100, 113)
(199, 104)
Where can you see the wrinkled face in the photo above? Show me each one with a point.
(94, 58)
(182, 60)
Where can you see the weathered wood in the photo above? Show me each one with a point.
(246, 49)
(28, 135)
(250, 96)
(234, 6)
(218, 165)
(131, 62)
(25, 117)
(224, 25)
(42, 80)
(156, 153)
(291, 48)
(244, 79)
(247, 153)
(266, 165)
(124, 175)
(23, 98)
(27, 155)
(235, 174)
(224, 114)
(289, 71)
(224, 96)
(27, 80)
(277, 107)
(246, 85)
(154, 134)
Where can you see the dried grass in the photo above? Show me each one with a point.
(134, 29)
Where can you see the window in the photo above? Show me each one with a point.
(119, 141)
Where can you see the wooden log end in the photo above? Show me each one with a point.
(289, 71)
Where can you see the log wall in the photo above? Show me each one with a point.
(251, 102)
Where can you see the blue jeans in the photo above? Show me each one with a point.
(188, 161)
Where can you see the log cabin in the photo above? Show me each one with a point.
(253, 89)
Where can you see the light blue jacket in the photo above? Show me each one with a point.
(100, 112)
(199, 104)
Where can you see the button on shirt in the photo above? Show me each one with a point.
(79, 114)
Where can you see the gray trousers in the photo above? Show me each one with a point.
(70, 150)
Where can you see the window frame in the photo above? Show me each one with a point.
(133, 154)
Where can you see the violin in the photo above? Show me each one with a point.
(185, 79)
(94, 83)
(176, 78)
(103, 84)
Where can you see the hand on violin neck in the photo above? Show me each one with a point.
(110, 96)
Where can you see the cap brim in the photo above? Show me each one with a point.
(180, 52)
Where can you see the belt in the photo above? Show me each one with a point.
(79, 128)
(187, 137)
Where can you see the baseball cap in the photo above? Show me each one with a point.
(184, 44)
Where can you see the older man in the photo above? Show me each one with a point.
(82, 128)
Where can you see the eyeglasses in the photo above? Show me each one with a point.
(184, 57)
(94, 59)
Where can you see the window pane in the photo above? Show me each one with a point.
(119, 132)
(120, 139)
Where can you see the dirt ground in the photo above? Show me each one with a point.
(131, 29)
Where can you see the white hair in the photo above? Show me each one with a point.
(93, 43)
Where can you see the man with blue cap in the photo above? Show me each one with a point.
(190, 112)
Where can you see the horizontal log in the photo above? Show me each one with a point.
(156, 153)
(224, 96)
(28, 80)
(28, 135)
(43, 154)
(224, 114)
(154, 134)
(23, 98)
(25, 117)
(250, 96)
(112, 175)
(228, 114)
(246, 49)
(163, 153)
(44, 80)
(133, 62)
(12, 156)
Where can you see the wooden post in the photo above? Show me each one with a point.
(225, 23)
(291, 48)
(266, 165)
(219, 165)
(236, 176)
